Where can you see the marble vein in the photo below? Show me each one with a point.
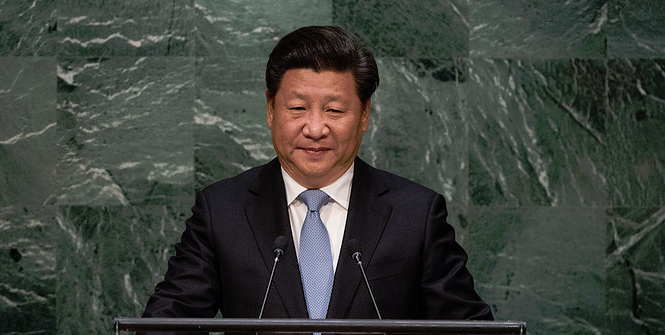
(22, 136)
(652, 223)
(135, 43)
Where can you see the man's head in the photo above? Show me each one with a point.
(323, 48)
(320, 81)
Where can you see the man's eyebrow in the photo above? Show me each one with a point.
(330, 97)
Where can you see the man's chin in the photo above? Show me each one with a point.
(316, 173)
(317, 177)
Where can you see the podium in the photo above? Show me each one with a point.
(356, 326)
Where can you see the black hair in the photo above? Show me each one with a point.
(323, 48)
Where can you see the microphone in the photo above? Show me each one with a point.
(356, 254)
(278, 250)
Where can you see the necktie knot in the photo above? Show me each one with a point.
(314, 199)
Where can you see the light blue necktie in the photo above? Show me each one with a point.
(315, 259)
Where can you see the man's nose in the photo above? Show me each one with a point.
(316, 125)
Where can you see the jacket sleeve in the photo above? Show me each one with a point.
(447, 286)
(191, 285)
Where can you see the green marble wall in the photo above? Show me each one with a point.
(542, 122)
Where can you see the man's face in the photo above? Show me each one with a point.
(316, 121)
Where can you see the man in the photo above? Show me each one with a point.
(319, 86)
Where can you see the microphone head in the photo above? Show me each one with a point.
(353, 246)
(280, 245)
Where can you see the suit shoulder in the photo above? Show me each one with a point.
(233, 185)
(402, 185)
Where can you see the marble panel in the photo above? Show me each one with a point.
(404, 28)
(537, 132)
(635, 111)
(251, 28)
(422, 138)
(27, 270)
(231, 133)
(542, 265)
(28, 136)
(636, 29)
(635, 271)
(126, 129)
(126, 28)
(542, 29)
(28, 28)
(109, 260)
(417, 127)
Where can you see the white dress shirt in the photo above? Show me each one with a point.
(333, 214)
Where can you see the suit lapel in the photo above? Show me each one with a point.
(366, 221)
(268, 217)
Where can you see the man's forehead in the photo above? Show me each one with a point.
(307, 83)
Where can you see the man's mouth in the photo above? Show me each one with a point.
(315, 150)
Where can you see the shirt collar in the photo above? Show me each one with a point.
(339, 191)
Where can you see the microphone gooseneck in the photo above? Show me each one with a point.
(356, 254)
(278, 251)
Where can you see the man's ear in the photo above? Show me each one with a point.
(270, 106)
(364, 118)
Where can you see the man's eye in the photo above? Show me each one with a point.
(297, 108)
(335, 111)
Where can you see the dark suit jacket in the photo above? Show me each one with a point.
(223, 261)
